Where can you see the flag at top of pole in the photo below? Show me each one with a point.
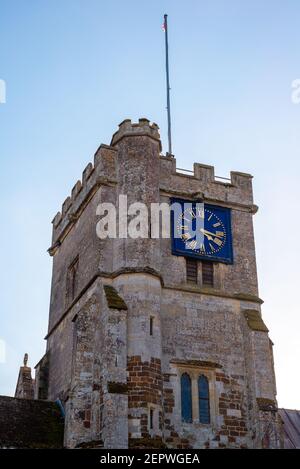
(164, 25)
(165, 28)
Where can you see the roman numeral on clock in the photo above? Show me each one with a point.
(218, 241)
(192, 244)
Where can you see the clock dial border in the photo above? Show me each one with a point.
(177, 246)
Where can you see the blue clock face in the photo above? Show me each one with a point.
(202, 231)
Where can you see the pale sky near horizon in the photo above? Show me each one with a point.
(74, 69)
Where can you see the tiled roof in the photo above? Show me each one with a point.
(291, 427)
(26, 423)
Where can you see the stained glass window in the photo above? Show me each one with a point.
(203, 391)
(186, 398)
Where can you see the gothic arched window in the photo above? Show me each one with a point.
(203, 391)
(186, 398)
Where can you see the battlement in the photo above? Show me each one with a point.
(142, 128)
(103, 171)
(202, 183)
(207, 173)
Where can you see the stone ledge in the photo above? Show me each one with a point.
(266, 404)
(168, 192)
(199, 363)
(214, 292)
(254, 320)
(134, 270)
(114, 300)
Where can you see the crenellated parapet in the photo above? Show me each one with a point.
(202, 183)
(199, 183)
(143, 129)
(102, 172)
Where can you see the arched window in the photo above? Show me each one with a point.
(186, 398)
(203, 391)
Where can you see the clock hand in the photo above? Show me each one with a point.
(205, 232)
(210, 238)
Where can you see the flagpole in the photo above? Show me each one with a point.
(168, 83)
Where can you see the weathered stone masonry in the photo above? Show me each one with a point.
(119, 384)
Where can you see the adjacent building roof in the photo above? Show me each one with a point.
(26, 423)
(291, 428)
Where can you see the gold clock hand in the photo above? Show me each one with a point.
(206, 232)
(210, 238)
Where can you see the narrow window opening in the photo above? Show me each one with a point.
(72, 280)
(207, 273)
(203, 391)
(186, 398)
(191, 270)
(151, 325)
(151, 418)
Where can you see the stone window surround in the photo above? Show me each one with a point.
(194, 372)
(218, 275)
(71, 280)
(155, 430)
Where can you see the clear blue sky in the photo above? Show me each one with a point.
(74, 69)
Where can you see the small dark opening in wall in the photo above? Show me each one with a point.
(208, 273)
(151, 325)
(72, 280)
(191, 270)
(151, 419)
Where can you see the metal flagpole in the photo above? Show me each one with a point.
(168, 83)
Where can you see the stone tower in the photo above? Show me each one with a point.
(127, 320)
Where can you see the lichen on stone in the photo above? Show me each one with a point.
(114, 300)
(266, 404)
(254, 320)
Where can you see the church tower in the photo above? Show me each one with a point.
(158, 342)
